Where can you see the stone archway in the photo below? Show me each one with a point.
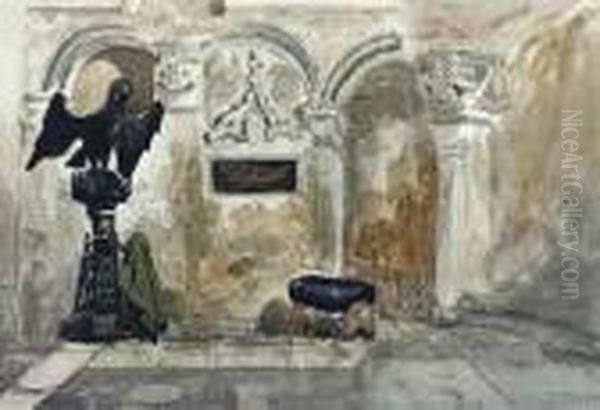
(79, 47)
(76, 51)
(392, 176)
(458, 96)
(388, 168)
(355, 60)
(87, 60)
(89, 84)
(286, 45)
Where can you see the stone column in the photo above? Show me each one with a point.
(465, 92)
(324, 128)
(464, 227)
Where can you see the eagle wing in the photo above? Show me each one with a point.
(134, 136)
(60, 129)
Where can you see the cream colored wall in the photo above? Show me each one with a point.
(44, 251)
(12, 80)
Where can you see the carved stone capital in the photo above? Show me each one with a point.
(324, 127)
(174, 75)
(176, 78)
(462, 85)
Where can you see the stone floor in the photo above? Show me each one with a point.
(15, 360)
(488, 364)
(485, 363)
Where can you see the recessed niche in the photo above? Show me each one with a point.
(92, 82)
(251, 176)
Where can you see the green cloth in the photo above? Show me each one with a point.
(141, 283)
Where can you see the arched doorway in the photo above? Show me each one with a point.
(391, 174)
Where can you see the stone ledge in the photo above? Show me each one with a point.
(223, 355)
(67, 5)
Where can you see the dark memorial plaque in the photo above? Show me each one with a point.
(254, 176)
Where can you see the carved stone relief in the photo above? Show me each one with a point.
(252, 96)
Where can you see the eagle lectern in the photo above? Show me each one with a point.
(102, 310)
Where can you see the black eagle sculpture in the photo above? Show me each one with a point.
(104, 310)
(112, 127)
(134, 135)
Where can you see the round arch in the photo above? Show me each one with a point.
(389, 165)
(83, 45)
(355, 60)
(291, 48)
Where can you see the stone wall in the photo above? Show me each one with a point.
(415, 165)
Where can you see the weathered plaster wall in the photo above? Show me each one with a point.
(13, 35)
(552, 71)
(228, 257)
(221, 257)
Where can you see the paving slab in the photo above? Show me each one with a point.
(45, 377)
